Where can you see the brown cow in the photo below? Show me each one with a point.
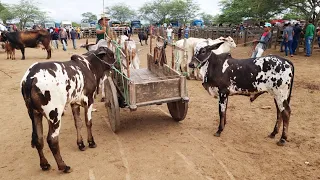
(10, 51)
(21, 40)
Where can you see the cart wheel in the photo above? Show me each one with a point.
(178, 110)
(112, 104)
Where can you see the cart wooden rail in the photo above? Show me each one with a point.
(154, 85)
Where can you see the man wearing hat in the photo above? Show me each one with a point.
(101, 28)
(263, 42)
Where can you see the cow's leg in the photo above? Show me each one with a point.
(37, 139)
(223, 102)
(53, 138)
(285, 114)
(88, 117)
(46, 44)
(141, 42)
(78, 123)
(22, 52)
(278, 122)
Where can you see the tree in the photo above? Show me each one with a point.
(208, 19)
(155, 11)
(27, 11)
(309, 8)
(74, 24)
(121, 12)
(162, 10)
(234, 11)
(5, 14)
(88, 17)
(183, 10)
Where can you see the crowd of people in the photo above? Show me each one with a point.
(64, 34)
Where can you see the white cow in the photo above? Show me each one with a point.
(224, 48)
(181, 64)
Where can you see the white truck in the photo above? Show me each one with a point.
(66, 24)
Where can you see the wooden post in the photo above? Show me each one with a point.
(245, 37)
(172, 63)
(127, 58)
(185, 54)
(151, 37)
(237, 35)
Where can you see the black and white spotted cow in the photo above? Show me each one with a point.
(252, 77)
(48, 87)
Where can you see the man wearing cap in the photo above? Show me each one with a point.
(101, 28)
(263, 42)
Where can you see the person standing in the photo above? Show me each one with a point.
(186, 32)
(63, 37)
(169, 34)
(78, 32)
(180, 32)
(296, 37)
(101, 29)
(310, 30)
(55, 37)
(288, 36)
(263, 42)
(73, 35)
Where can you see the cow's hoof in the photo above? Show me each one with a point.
(81, 146)
(67, 169)
(272, 136)
(217, 134)
(45, 167)
(102, 99)
(282, 142)
(92, 144)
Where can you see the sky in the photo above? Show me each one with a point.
(71, 10)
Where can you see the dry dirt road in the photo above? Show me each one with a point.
(150, 145)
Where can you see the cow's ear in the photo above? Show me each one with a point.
(215, 46)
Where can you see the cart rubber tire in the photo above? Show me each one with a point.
(112, 104)
(178, 110)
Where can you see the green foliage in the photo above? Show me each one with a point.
(208, 19)
(234, 11)
(74, 24)
(161, 10)
(155, 11)
(121, 12)
(5, 14)
(88, 17)
(183, 10)
(27, 11)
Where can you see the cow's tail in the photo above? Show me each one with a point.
(26, 87)
(291, 84)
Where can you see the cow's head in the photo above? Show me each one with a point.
(103, 54)
(203, 55)
(3, 36)
(229, 40)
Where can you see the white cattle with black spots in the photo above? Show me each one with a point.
(49, 86)
(225, 76)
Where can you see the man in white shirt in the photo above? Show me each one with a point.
(169, 34)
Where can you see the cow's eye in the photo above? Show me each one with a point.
(203, 51)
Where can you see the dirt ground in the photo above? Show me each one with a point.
(150, 145)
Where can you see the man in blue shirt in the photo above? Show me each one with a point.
(186, 32)
(263, 42)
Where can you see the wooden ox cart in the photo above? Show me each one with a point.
(154, 85)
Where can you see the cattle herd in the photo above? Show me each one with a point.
(49, 87)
